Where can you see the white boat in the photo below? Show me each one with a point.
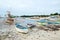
(20, 28)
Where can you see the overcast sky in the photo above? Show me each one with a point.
(29, 7)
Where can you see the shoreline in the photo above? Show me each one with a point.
(8, 32)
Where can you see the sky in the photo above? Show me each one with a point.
(29, 7)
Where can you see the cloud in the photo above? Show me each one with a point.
(29, 6)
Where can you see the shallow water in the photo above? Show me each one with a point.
(43, 20)
(25, 21)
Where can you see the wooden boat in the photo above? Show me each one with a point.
(20, 28)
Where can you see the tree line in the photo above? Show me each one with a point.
(52, 14)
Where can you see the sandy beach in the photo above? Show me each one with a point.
(29, 19)
(8, 32)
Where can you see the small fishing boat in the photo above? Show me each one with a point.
(42, 22)
(31, 25)
(55, 23)
(21, 28)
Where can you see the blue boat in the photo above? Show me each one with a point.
(21, 28)
(53, 22)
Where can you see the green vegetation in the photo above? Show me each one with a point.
(35, 16)
(53, 14)
(14, 16)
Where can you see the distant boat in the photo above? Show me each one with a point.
(56, 23)
(21, 28)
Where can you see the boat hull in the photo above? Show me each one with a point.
(21, 30)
